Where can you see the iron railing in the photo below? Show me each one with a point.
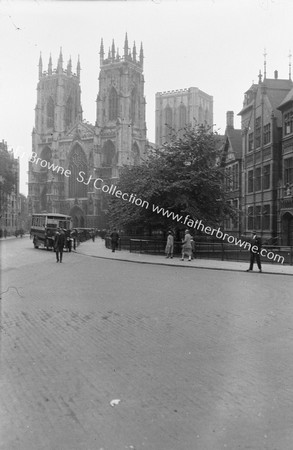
(204, 250)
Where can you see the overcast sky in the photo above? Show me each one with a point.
(215, 45)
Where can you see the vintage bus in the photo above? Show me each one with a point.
(44, 227)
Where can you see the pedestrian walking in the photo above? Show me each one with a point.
(169, 245)
(255, 254)
(114, 239)
(186, 246)
(59, 243)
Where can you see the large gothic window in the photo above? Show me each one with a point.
(133, 105)
(50, 113)
(135, 154)
(200, 115)
(206, 116)
(113, 104)
(168, 122)
(46, 155)
(68, 112)
(182, 116)
(43, 199)
(77, 164)
(108, 154)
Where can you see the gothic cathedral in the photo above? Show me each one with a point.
(63, 141)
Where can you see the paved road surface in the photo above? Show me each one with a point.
(200, 359)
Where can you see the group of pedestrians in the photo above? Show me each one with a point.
(188, 246)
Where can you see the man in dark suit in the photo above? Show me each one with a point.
(255, 250)
(114, 239)
(59, 244)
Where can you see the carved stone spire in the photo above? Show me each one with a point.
(40, 67)
(50, 65)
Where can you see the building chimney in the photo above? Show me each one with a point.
(230, 119)
(276, 74)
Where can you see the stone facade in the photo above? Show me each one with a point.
(176, 109)
(9, 191)
(77, 158)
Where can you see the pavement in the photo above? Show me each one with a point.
(189, 359)
(98, 249)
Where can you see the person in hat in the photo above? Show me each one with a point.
(169, 245)
(255, 250)
(59, 243)
(186, 246)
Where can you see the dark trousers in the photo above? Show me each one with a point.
(113, 245)
(59, 254)
(253, 257)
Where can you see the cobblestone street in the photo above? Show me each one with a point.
(199, 359)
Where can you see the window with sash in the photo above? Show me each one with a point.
(250, 218)
(257, 132)
(288, 123)
(266, 176)
(257, 222)
(266, 217)
(267, 134)
(288, 170)
(257, 185)
(250, 181)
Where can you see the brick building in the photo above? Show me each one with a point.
(261, 124)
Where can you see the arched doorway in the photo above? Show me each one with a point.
(287, 229)
(77, 215)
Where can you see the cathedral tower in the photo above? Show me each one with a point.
(120, 118)
(69, 153)
(57, 110)
(58, 98)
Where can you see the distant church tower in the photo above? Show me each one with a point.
(121, 107)
(62, 139)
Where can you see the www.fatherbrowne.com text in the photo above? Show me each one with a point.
(99, 184)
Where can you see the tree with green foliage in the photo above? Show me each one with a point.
(183, 176)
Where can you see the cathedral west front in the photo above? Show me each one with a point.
(75, 155)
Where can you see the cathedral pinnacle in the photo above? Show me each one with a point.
(134, 52)
(102, 52)
(78, 69)
(113, 50)
(50, 65)
(60, 61)
(141, 55)
(126, 47)
(69, 66)
(40, 66)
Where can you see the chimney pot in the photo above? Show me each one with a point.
(276, 74)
